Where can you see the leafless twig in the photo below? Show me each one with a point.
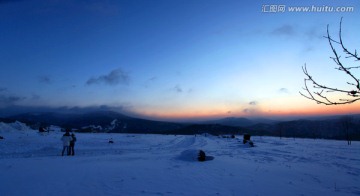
(321, 92)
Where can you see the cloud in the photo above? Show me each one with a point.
(149, 81)
(249, 111)
(178, 89)
(313, 33)
(284, 90)
(286, 30)
(35, 97)
(252, 109)
(309, 49)
(7, 100)
(10, 110)
(253, 103)
(115, 77)
(152, 79)
(3, 89)
(44, 79)
(76, 109)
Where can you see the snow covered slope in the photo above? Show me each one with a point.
(31, 164)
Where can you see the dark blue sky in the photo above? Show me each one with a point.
(167, 59)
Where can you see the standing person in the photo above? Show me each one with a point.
(72, 144)
(66, 139)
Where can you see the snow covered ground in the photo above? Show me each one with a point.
(30, 164)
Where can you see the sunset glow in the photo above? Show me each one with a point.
(170, 59)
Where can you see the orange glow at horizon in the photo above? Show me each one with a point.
(305, 109)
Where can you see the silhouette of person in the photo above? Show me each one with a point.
(66, 138)
(72, 144)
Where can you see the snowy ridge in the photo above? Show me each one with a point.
(93, 127)
(14, 127)
(98, 128)
(112, 122)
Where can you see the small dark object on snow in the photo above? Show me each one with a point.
(232, 136)
(247, 140)
(201, 156)
(1, 137)
(111, 141)
(43, 129)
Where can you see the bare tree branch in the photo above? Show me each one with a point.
(354, 55)
(321, 94)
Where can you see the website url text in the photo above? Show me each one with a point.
(313, 8)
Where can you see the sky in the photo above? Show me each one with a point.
(178, 59)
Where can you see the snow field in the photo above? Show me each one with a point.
(144, 164)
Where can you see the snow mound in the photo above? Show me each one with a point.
(13, 127)
(55, 128)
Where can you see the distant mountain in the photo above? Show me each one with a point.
(330, 127)
(215, 129)
(101, 121)
(232, 121)
(264, 121)
(334, 127)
